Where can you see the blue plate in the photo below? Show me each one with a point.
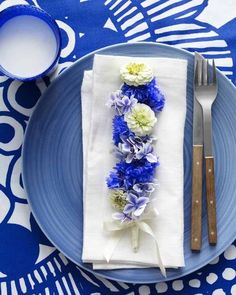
(53, 165)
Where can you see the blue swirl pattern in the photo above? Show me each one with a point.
(29, 264)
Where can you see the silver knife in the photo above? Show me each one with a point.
(197, 158)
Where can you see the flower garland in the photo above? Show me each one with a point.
(132, 180)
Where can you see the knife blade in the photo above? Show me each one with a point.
(197, 112)
(197, 158)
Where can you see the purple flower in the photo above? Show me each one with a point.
(121, 103)
(121, 216)
(125, 151)
(129, 147)
(134, 148)
(143, 188)
(137, 141)
(136, 205)
(146, 152)
(128, 103)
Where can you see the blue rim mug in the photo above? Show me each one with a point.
(23, 10)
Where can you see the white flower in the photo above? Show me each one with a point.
(118, 199)
(135, 74)
(141, 119)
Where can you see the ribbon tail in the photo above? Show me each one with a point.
(147, 229)
(135, 237)
(112, 244)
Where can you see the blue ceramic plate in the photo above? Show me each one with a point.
(53, 165)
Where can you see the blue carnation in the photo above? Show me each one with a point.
(126, 175)
(149, 94)
(120, 129)
(139, 172)
(139, 92)
(114, 181)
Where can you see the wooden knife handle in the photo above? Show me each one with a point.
(196, 221)
(211, 201)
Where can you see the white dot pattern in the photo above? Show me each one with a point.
(229, 274)
(161, 287)
(195, 283)
(211, 278)
(219, 292)
(230, 253)
(233, 290)
(144, 290)
(178, 285)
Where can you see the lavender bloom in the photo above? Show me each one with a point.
(128, 103)
(121, 216)
(149, 138)
(129, 147)
(134, 148)
(136, 141)
(146, 151)
(113, 98)
(126, 151)
(136, 204)
(121, 103)
(144, 188)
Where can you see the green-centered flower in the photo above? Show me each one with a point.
(141, 119)
(135, 74)
(118, 199)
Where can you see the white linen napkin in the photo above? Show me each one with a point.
(98, 161)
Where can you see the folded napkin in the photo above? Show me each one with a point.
(99, 160)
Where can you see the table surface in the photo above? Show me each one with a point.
(29, 264)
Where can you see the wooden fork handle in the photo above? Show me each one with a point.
(211, 201)
(196, 220)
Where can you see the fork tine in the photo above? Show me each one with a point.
(198, 77)
(196, 73)
(204, 72)
(214, 72)
(208, 73)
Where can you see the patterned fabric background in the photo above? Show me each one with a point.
(29, 264)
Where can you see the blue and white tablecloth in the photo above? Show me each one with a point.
(29, 264)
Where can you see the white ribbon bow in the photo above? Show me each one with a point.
(118, 229)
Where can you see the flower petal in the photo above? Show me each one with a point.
(148, 148)
(118, 216)
(139, 211)
(132, 198)
(137, 187)
(126, 148)
(142, 201)
(129, 158)
(129, 208)
(149, 187)
(151, 158)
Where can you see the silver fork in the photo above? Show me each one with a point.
(206, 91)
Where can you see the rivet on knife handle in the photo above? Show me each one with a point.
(196, 220)
(211, 201)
